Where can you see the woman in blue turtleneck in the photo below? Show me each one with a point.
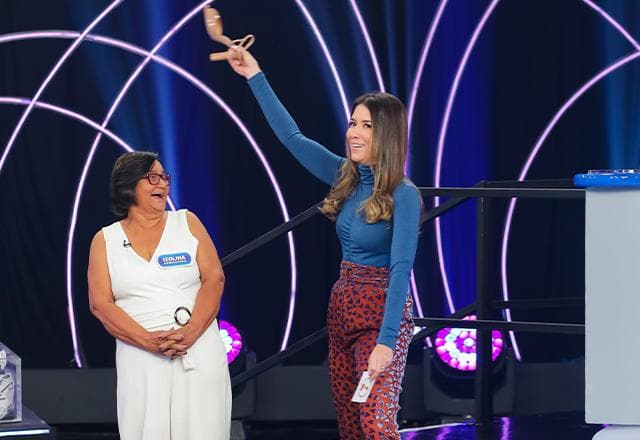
(377, 215)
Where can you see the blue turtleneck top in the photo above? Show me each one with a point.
(389, 244)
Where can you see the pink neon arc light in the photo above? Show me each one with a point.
(614, 23)
(581, 91)
(328, 57)
(73, 115)
(23, 119)
(443, 133)
(545, 133)
(49, 77)
(219, 101)
(367, 39)
(15, 100)
(114, 106)
(417, 78)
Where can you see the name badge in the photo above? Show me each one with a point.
(173, 260)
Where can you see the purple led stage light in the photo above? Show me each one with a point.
(442, 137)
(525, 169)
(538, 146)
(220, 102)
(49, 77)
(456, 347)
(367, 39)
(327, 55)
(232, 340)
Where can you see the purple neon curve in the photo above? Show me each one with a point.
(442, 137)
(23, 118)
(328, 57)
(367, 39)
(74, 115)
(534, 152)
(417, 78)
(220, 102)
(49, 77)
(613, 22)
(16, 100)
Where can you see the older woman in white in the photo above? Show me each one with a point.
(155, 283)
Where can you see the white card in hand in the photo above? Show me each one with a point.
(364, 388)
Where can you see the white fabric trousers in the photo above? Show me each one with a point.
(158, 399)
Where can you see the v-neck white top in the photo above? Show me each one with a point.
(151, 291)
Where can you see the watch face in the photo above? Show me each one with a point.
(6, 394)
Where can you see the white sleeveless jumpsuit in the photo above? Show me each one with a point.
(188, 398)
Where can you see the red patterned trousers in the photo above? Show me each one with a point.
(356, 308)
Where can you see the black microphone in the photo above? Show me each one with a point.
(126, 244)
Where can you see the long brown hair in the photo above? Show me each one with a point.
(388, 153)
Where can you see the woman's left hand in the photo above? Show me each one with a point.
(189, 337)
(379, 360)
(182, 338)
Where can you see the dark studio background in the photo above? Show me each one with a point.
(529, 59)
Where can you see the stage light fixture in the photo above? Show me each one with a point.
(232, 340)
(456, 347)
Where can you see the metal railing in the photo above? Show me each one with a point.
(484, 192)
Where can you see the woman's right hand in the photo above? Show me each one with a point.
(242, 62)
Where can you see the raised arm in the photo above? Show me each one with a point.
(316, 158)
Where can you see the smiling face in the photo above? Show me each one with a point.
(152, 197)
(359, 135)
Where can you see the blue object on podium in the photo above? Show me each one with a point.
(612, 301)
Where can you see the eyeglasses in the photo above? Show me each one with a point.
(154, 178)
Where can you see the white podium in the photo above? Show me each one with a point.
(612, 299)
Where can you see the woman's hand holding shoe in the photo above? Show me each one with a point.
(242, 62)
